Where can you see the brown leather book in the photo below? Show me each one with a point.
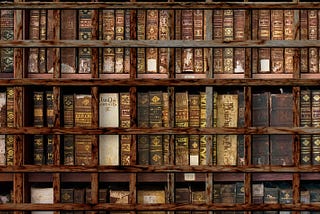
(182, 196)
(277, 60)
(228, 53)
(239, 35)
(49, 109)
(6, 29)
(305, 121)
(304, 61)
(83, 149)
(50, 36)
(181, 121)
(119, 51)
(218, 35)
(10, 123)
(198, 33)
(68, 110)
(38, 108)
(33, 63)
(43, 36)
(85, 28)
(288, 35)
(38, 150)
(141, 35)
(143, 122)
(194, 121)
(178, 36)
(125, 122)
(187, 34)
(68, 31)
(260, 118)
(151, 197)
(313, 35)
(49, 150)
(3, 109)
(127, 36)
(152, 33)
(68, 149)
(254, 36)
(315, 118)
(164, 34)
(281, 115)
(264, 34)
(203, 124)
(166, 123)
(108, 20)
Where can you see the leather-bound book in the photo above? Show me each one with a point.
(85, 28)
(83, 149)
(198, 197)
(143, 122)
(125, 122)
(164, 34)
(152, 33)
(281, 115)
(194, 121)
(313, 35)
(218, 35)
(198, 34)
(227, 116)
(119, 197)
(286, 196)
(68, 110)
(305, 121)
(68, 149)
(260, 118)
(141, 35)
(257, 193)
(9, 149)
(6, 29)
(33, 63)
(151, 197)
(50, 36)
(228, 53)
(38, 150)
(49, 150)
(108, 26)
(264, 34)
(166, 123)
(127, 32)
(241, 124)
(68, 31)
(240, 192)
(67, 195)
(315, 115)
(38, 108)
(203, 124)
(254, 36)
(228, 193)
(10, 123)
(277, 60)
(79, 198)
(271, 196)
(304, 60)
(49, 109)
(239, 35)
(3, 109)
(187, 34)
(119, 35)
(2, 150)
(43, 36)
(288, 35)
(181, 121)
(178, 36)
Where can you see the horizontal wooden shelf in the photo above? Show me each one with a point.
(159, 169)
(157, 207)
(160, 5)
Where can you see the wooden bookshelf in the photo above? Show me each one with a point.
(18, 178)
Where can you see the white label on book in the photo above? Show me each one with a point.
(264, 65)
(152, 65)
(149, 199)
(189, 176)
(194, 160)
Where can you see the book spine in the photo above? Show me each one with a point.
(143, 149)
(49, 109)
(181, 120)
(313, 35)
(141, 35)
(277, 60)
(109, 150)
(85, 28)
(304, 36)
(260, 117)
(315, 115)
(227, 113)
(214, 124)
(264, 34)
(125, 122)
(83, 149)
(50, 36)
(108, 19)
(68, 149)
(38, 150)
(10, 123)
(271, 195)
(3, 109)
(288, 35)
(68, 110)
(33, 66)
(119, 52)
(254, 36)
(257, 193)
(127, 32)
(240, 193)
(79, 198)
(217, 35)
(164, 35)
(187, 34)
(68, 31)
(305, 121)
(43, 36)
(239, 35)
(178, 36)
(152, 31)
(241, 123)
(49, 150)
(183, 195)
(143, 122)
(6, 29)
(194, 121)
(198, 33)
(228, 53)
(38, 109)
(82, 110)
(67, 196)
(203, 124)
(281, 115)
(228, 193)
(166, 123)
(156, 150)
(2, 150)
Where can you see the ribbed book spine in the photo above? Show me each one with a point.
(108, 19)
(43, 36)
(152, 33)
(178, 36)
(239, 35)
(141, 35)
(315, 114)
(127, 36)
(304, 36)
(164, 34)
(194, 121)
(198, 33)
(187, 34)
(203, 124)
(6, 29)
(313, 35)
(305, 121)
(288, 35)
(277, 60)
(33, 64)
(125, 122)
(143, 122)
(264, 34)
(119, 51)
(85, 28)
(217, 35)
(228, 53)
